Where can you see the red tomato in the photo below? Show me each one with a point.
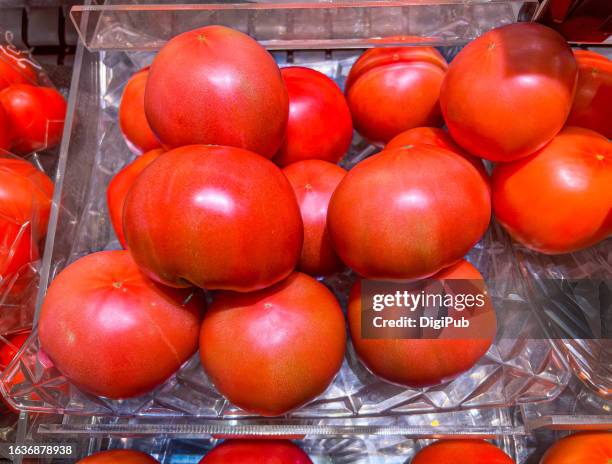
(592, 108)
(121, 184)
(256, 452)
(271, 351)
(25, 205)
(114, 333)
(15, 68)
(461, 452)
(230, 220)
(36, 116)
(420, 362)
(320, 125)
(507, 93)
(560, 199)
(119, 457)
(390, 90)
(218, 86)
(582, 448)
(407, 213)
(132, 118)
(314, 182)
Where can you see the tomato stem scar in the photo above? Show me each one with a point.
(117, 284)
(600, 158)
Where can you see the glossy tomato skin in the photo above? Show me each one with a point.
(215, 85)
(420, 362)
(314, 182)
(121, 184)
(294, 331)
(462, 452)
(559, 199)
(391, 90)
(407, 213)
(36, 116)
(320, 125)
(592, 108)
(509, 92)
(581, 448)
(256, 452)
(132, 118)
(235, 209)
(15, 68)
(137, 331)
(119, 457)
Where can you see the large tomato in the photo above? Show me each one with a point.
(314, 182)
(36, 116)
(113, 332)
(15, 68)
(421, 362)
(230, 220)
(390, 90)
(215, 85)
(132, 118)
(507, 93)
(461, 452)
(121, 184)
(119, 457)
(407, 213)
(558, 200)
(592, 106)
(271, 351)
(582, 448)
(256, 452)
(320, 125)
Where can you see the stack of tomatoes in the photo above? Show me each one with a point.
(239, 193)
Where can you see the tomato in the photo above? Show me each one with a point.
(314, 182)
(425, 361)
(271, 351)
(592, 108)
(256, 452)
(15, 68)
(114, 333)
(9, 346)
(25, 205)
(461, 452)
(218, 86)
(439, 138)
(507, 93)
(407, 213)
(119, 187)
(230, 220)
(118, 457)
(581, 448)
(36, 116)
(132, 118)
(558, 200)
(390, 90)
(320, 125)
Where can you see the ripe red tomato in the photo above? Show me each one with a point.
(256, 452)
(461, 452)
(36, 116)
(419, 210)
(121, 184)
(420, 362)
(5, 133)
(119, 457)
(132, 118)
(114, 333)
(592, 108)
(230, 220)
(271, 351)
(320, 125)
(314, 182)
(581, 448)
(390, 90)
(507, 93)
(218, 86)
(558, 200)
(15, 68)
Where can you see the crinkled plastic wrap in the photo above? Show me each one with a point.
(516, 369)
